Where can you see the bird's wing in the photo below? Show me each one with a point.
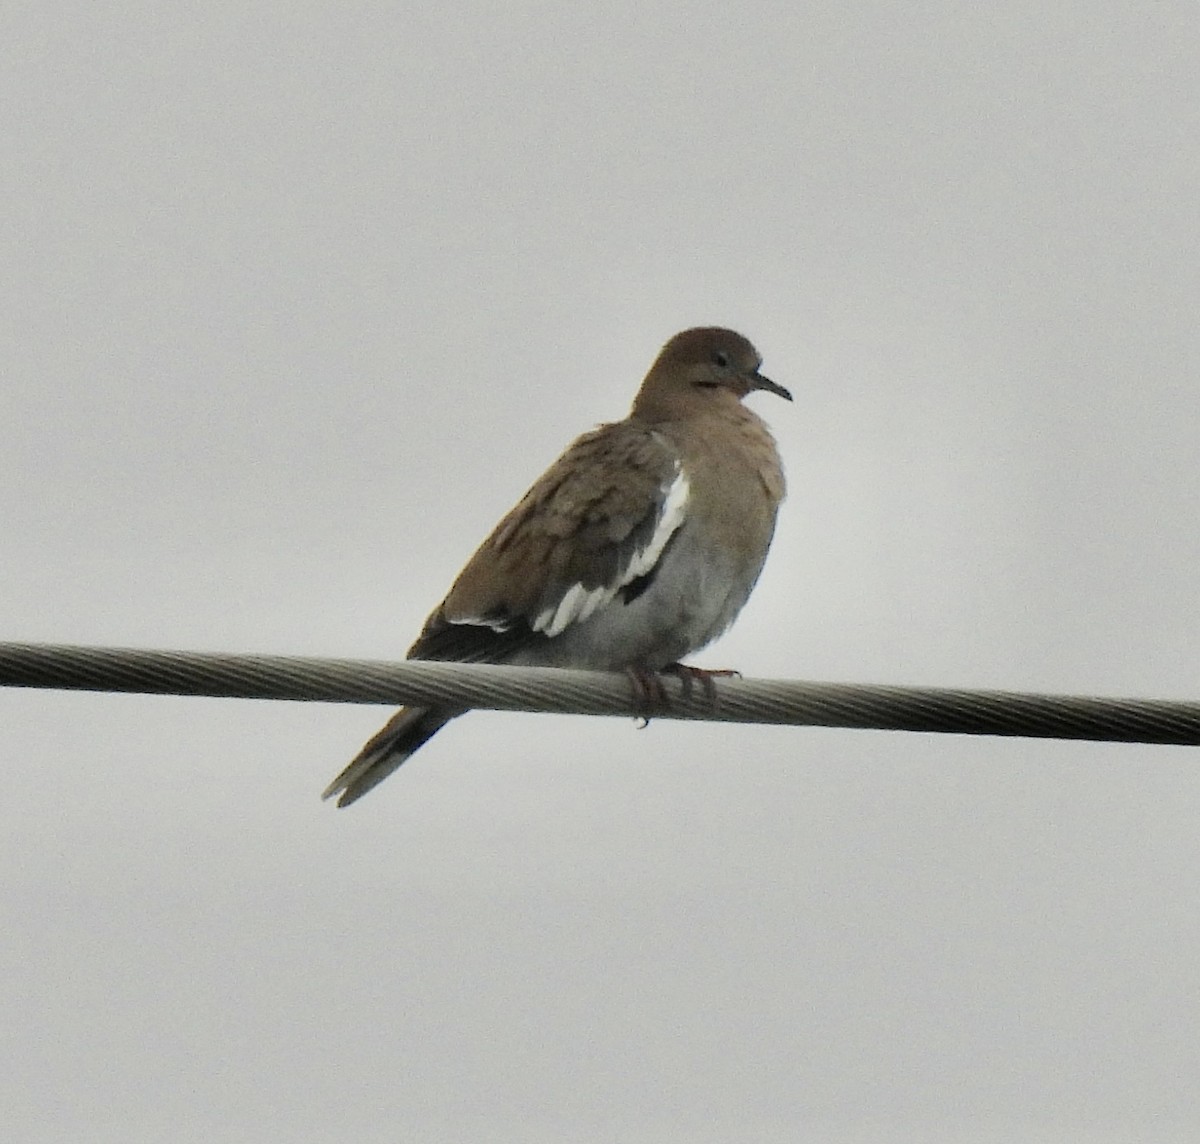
(593, 527)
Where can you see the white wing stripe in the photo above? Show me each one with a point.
(578, 603)
(669, 520)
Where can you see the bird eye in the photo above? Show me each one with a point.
(721, 359)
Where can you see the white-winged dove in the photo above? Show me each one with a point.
(637, 547)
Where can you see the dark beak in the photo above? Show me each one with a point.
(757, 381)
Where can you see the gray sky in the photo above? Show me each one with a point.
(297, 299)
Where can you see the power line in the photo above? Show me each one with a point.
(487, 686)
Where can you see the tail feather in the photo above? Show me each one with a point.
(405, 732)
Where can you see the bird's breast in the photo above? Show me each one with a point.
(706, 572)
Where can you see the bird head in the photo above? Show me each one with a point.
(703, 365)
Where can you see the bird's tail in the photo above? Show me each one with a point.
(405, 732)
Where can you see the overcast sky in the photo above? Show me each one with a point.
(295, 300)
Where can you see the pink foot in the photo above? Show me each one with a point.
(690, 676)
(649, 694)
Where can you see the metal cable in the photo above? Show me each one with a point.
(597, 693)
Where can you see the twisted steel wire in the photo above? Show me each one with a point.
(966, 712)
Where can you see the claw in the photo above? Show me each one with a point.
(690, 676)
(649, 695)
